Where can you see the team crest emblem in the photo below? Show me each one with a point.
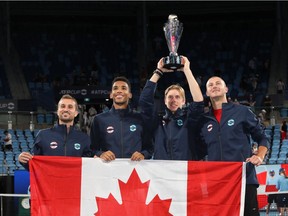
(53, 145)
(210, 127)
(132, 128)
(179, 122)
(110, 129)
(231, 122)
(77, 146)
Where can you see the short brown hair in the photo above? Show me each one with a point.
(67, 96)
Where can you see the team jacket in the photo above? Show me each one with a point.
(121, 131)
(56, 141)
(231, 139)
(173, 134)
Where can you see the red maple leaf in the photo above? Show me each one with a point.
(134, 194)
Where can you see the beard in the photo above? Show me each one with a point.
(65, 120)
(121, 103)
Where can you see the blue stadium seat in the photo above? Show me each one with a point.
(272, 160)
(40, 118)
(281, 160)
(49, 118)
(282, 154)
(284, 112)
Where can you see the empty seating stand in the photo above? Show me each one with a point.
(22, 140)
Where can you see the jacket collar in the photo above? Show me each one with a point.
(169, 115)
(120, 111)
(225, 106)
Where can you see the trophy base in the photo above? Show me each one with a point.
(172, 62)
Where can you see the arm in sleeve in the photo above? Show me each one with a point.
(200, 146)
(87, 150)
(95, 138)
(35, 151)
(256, 130)
(146, 101)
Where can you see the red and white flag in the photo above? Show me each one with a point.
(66, 186)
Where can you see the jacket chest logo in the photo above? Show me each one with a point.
(179, 122)
(230, 122)
(110, 129)
(209, 127)
(53, 145)
(133, 128)
(77, 146)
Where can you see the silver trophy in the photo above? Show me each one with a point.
(173, 30)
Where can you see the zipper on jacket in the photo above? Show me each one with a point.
(121, 138)
(170, 146)
(65, 141)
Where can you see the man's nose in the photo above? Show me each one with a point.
(173, 98)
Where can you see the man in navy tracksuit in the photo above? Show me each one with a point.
(173, 132)
(121, 132)
(63, 139)
(226, 130)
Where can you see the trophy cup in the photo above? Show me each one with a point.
(173, 30)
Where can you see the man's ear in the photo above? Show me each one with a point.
(76, 114)
(130, 95)
(110, 96)
(184, 102)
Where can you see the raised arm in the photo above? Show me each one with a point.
(193, 85)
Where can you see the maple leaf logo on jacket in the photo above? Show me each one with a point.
(134, 194)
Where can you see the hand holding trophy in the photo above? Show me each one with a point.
(173, 30)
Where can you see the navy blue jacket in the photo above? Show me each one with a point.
(231, 139)
(121, 131)
(173, 134)
(56, 141)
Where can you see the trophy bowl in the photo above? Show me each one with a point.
(173, 31)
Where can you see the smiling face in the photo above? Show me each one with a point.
(120, 94)
(67, 111)
(174, 98)
(216, 88)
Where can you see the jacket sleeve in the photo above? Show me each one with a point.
(36, 150)
(200, 147)
(196, 109)
(256, 129)
(146, 105)
(87, 152)
(146, 101)
(95, 138)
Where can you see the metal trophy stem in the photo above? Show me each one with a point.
(173, 31)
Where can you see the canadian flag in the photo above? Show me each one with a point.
(66, 186)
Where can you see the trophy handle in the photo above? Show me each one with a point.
(172, 62)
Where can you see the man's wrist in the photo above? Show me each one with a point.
(158, 72)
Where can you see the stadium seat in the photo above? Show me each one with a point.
(40, 118)
(281, 160)
(272, 160)
(49, 118)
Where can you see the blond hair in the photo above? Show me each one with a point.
(176, 87)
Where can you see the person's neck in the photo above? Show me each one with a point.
(217, 103)
(120, 106)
